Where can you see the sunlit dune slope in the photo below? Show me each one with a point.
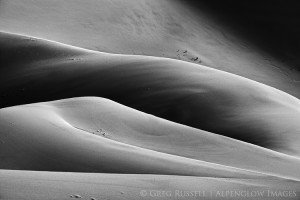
(162, 28)
(34, 70)
(93, 134)
(38, 138)
(55, 185)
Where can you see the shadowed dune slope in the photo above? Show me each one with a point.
(56, 185)
(36, 137)
(162, 28)
(182, 92)
(93, 134)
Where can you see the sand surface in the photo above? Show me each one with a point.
(139, 100)
(186, 93)
(29, 185)
(98, 135)
(163, 28)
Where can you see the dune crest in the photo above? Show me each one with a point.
(92, 134)
(149, 100)
(178, 29)
(182, 92)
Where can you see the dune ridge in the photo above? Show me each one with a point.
(178, 29)
(93, 134)
(186, 93)
(145, 99)
(66, 109)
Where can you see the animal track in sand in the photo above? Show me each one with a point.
(76, 196)
(188, 56)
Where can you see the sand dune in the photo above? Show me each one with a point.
(98, 135)
(182, 105)
(30, 185)
(182, 92)
(38, 138)
(92, 134)
(161, 28)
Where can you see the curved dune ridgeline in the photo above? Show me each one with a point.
(182, 92)
(149, 99)
(187, 30)
(90, 134)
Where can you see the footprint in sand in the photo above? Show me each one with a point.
(101, 131)
(76, 196)
(188, 56)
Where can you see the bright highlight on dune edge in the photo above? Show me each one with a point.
(149, 100)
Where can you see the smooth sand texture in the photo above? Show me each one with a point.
(182, 92)
(97, 135)
(82, 124)
(164, 28)
(30, 185)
